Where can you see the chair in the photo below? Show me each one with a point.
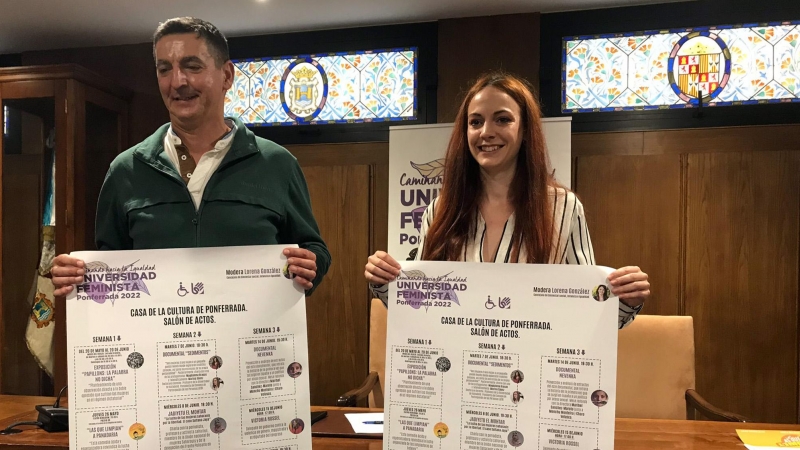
(656, 372)
(374, 383)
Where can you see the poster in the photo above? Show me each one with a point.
(185, 349)
(497, 356)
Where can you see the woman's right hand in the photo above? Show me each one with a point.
(66, 272)
(381, 268)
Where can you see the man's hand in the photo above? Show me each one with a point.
(66, 272)
(302, 266)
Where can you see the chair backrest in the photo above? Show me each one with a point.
(377, 347)
(655, 367)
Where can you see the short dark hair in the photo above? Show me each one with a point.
(214, 38)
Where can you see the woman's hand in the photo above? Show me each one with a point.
(630, 285)
(381, 268)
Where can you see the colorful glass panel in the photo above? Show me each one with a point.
(369, 86)
(725, 65)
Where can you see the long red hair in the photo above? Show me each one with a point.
(462, 187)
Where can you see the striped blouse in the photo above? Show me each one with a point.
(571, 242)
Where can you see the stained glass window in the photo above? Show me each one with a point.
(369, 86)
(726, 65)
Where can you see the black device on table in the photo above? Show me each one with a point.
(317, 416)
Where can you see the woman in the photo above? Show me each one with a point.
(602, 293)
(215, 362)
(296, 426)
(499, 201)
(294, 370)
(599, 398)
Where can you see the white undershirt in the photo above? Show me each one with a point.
(208, 163)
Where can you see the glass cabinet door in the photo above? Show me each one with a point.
(27, 161)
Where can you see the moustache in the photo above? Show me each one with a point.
(186, 92)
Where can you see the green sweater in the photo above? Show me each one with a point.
(257, 196)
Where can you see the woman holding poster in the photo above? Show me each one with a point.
(499, 201)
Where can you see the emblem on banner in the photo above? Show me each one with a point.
(42, 311)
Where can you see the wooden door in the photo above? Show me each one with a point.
(344, 185)
(738, 216)
(742, 270)
(633, 212)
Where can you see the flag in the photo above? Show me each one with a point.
(40, 330)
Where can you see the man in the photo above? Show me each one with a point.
(218, 426)
(202, 180)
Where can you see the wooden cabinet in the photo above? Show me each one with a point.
(89, 118)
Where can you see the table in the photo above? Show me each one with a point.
(631, 434)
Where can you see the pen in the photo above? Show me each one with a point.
(373, 422)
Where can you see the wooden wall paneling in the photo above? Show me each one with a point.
(104, 100)
(733, 139)
(633, 211)
(147, 113)
(118, 108)
(683, 244)
(22, 201)
(369, 153)
(339, 330)
(742, 280)
(337, 311)
(469, 47)
(587, 144)
(380, 208)
(374, 154)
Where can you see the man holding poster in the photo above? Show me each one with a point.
(202, 180)
(143, 354)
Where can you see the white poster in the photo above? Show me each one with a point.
(499, 356)
(416, 161)
(187, 349)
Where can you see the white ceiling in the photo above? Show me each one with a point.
(51, 24)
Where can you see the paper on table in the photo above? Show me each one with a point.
(769, 440)
(357, 422)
